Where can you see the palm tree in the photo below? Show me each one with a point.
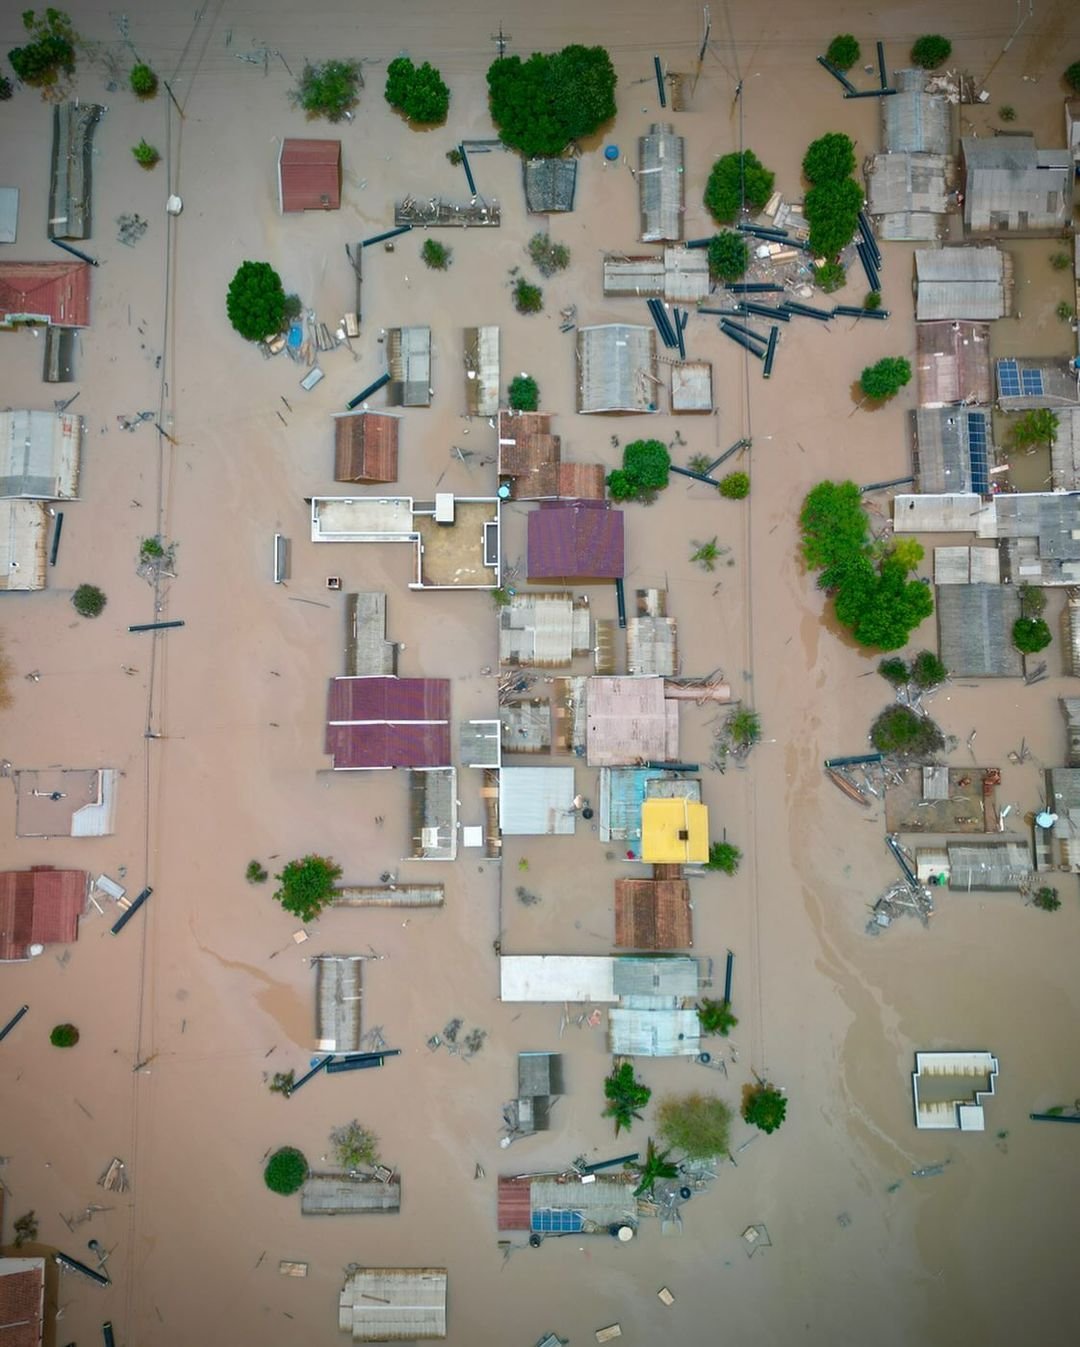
(625, 1095)
(715, 1017)
(656, 1166)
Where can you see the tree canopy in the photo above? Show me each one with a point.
(1072, 76)
(832, 211)
(50, 51)
(307, 885)
(737, 180)
(930, 51)
(256, 301)
(729, 256)
(543, 103)
(1030, 635)
(765, 1107)
(844, 52)
(1036, 427)
(886, 378)
(715, 1017)
(695, 1123)
(644, 471)
(725, 857)
(656, 1166)
(523, 393)
(830, 158)
(417, 91)
(626, 1096)
(286, 1170)
(328, 89)
(899, 729)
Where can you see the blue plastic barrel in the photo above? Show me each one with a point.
(611, 152)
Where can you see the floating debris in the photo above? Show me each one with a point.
(930, 1171)
(132, 228)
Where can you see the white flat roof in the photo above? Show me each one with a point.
(536, 801)
(557, 977)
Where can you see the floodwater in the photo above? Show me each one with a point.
(207, 993)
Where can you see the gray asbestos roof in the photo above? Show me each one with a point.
(975, 630)
(661, 183)
(914, 120)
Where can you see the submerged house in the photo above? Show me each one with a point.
(38, 907)
(630, 723)
(567, 1204)
(975, 625)
(537, 801)
(408, 355)
(338, 1193)
(531, 465)
(949, 1089)
(540, 1082)
(674, 831)
(309, 175)
(908, 182)
(544, 630)
(366, 446)
(661, 183)
(396, 1304)
(652, 642)
(654, 913)
(953, 450)
(952, 362)
(40, 454)
(433, 814)
(483, 384)
(1058, 847)
(963, 283)
(575, 540)
(367, 651)
(1011, 186)
(550, 185)
(377, 723)
(24, 533)
(34, 293)
(616, 365)
(338, 995)
(70, 215)
(1026, 383)
(624, 790)
(656, 1015)
(677, 274)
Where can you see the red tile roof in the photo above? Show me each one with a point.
(576, 540)
(653, 913)
(366, 447)
(56, 291)
(21, 1292)
(514, 1204)
(388, 722)
(40, 906)
(309, 175)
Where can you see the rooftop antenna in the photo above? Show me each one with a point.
(501, 39)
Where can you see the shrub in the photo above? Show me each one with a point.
(1007, 112)
(417, 91)
(523, 393)
(931, 51)
(872, 300)
(256, 873)
(49, 53)
(885, 379)
(832, 211)
(1065, 311)
(899, 729)
(764, 1107)
(294, 307)
(1047, 899)
(89, 601)
(146, 155)
(1060, 261)
(144, 82)
(548, 257)
(1034, 428)
(1032, 600)
(1072, 76)
(625, 1096)
(735, 485)
(644, 471)
(307, 885)
(830, 276)
(26, 1229)
(64, 1036)
(454, 156)
(435, 255)
(715, 1017)
(1030, 635)
(286, 1171)
(729, 256)
(657, 1166)
(707, 554)
(6, 89)
(354, 1146)
(743, 728)
(541, 104)
(328, 89)
(737, 181)
(927, 671)
(830, 158)
(527, 298)
(895, 671)
(725, 857)
(844, 52)
(500, 598)
(696, 1123)
(283, 1082)
(256, 301)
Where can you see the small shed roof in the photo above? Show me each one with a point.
(652, 645)
(994, 866)
(338, 996)
(543, 630)
(40, 906)
(579, 539)
(954, 450)
(975, 625)
(408, 354)
(557, 977)
(479, 743)
(22, 1301)
(24, 528)
(653, 914)
(540, 1073)
(967, 565)
(677, 274)
(953, 362)
(661, 187)
(692, 386)
(433, 816)
(366, 446)
(963, 283)
(309, 175)
(45, 292)
(662, 1032)
(514, 1202)
(674, 831)
(550, 185)
(483, 385)
(394, 1304)
(337, 1193)
(629, 722)
(39, 455)
(367, 651)
(616, 368)
(913, 119)
(374, 722)
(536, 801)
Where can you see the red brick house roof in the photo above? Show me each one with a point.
(514, 1204)
(22, 1290)
(575, 540)
(530, 456)
(57, 292)
(309, 175)
(388, 722)
(366, 447)
(40, 906)
(653, 913)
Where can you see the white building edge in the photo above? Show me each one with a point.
(960, 1073)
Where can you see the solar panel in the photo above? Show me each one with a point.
(1032, 382)
(550, 1222)
(977, 453)
(1009, 378)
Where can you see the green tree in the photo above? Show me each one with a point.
(832, 210)
(64, 1036)
(1047, 899)
(146, 155)
(328, 89)
(7, 89)
(625, 1096)
(872, 301)
(548, 256)
(307, 885)
(256, 301)
(715, 1017)
(706, 554)
(833, 523)
(540, 105)
(436, 255)
(50, 51)
(354, 1145)
(1072, 76)
(417, 91)
(286, 1170)
(697, 1124)
(844, 52)
(656, 1166)
(1030, 635)
(1035, 428)
(886, 378)
(256, 873)
(1032, 600)
(906, 552)
(644, 471)
(723, 856)
(89, 601)
(931, 51)
(527, 298)
(743, 727)
(737, 181)
(830, 158)
(735, 485)
(728, 256)
(927, 670)
(830, 276)
(764, 1107)
(899, 729)
(144, 82)
(523, 393)
(895, 671)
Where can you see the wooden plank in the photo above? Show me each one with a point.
(287, 1269)
(606, 1334)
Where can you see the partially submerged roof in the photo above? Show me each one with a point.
(39, 455)
(575, 540)
(334, 1193)
(1063, 800)
(963, 283)
(949, 1089)
(338, 994)
(661, 184)
(676, 274)
(908, 193)
(393, 1304)
(536, 801)
(1065, 451)
(674, 832)
(954, 450)
(975, 625)
(550, 185)
(22, 1301)
(692, 386)
(616, 367)
(914, 120)
(39, 906)
(629, 722)
(557, 977)
(366, 446)
(367, 651)
(24, 529)
(483, 383)
(65, 801)
(70, 213)
(673, 978)
(433, 815)
(653, 914)
(309, 175)
(379, 722)
(1025, 383)
(540, 1073)
(661, 1032)
(9, 214)
(408, 354)
(530, 462)
(543, 630)
(953, 362)
(566, 1204)
(45, 292)
(996, 866)
(1011, 185)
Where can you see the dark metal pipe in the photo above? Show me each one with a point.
(747, 332)
(766, 311)
(663, 319)
(724, 313)
(699, 243)
(742, 341)
(675, 766)
(739, 444)
(697, 476)
(13, 1022)
(882, 486)
(354, 1063)
(909, 874)
(836, 74)
(754, 288)
(808, 311)
(659, 81)
(56, 538)
(620, 601)
(728, 973)
(355, 402)
(850, 311)
(125, 917)
(866, 230)
(608, 1164)
(390, 234)
(770, 352)
(881, 65)
(83, 257)
(854, 759)
(155, 626)
(468, 170)
(323, 1062)
(764, 232)
(870, 93)
(107, 1334)
(1055, 1117)
(679, 330)
(872, 277)
(99, 1278)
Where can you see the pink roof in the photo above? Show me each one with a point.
(578, 539)
(309, 175)
(388, 722)
(40, 906)
(58, 291)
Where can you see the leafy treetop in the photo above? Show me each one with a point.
(328, 89)
(931, 51)
(886, 378)
(737, 180)
(644, 470)
(844, 52)
(540, 105)
(765, 1107)
(286, 1170)
(899, 729)
(729, 256)
(1036, 427)
(307, 885)
(256, 301)
(523, 393)
(1030, 635)
(50, 52)
(626, 1096)
(830, 158)
(417, 91)
(1072, 76)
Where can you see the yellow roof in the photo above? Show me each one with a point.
(674, 832)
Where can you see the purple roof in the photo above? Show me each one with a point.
(388, 722)
(578, 539)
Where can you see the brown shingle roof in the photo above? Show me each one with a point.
(40, 906)
(653, 914)
(532, 456)
(514, 1204)
(58, 291)
(21, 1289)
(365, 447)
(309, 175)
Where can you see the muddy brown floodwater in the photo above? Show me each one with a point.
(207, 987)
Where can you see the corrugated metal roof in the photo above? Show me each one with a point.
(907, 182)
(914, 120)
(39, 906)
(605, 1201)
(39, 455)
(309, 175)
(366, 446)
(536, 801)
(433, 814)
(616, 368)
(975, 625)
(676, 977)
(514, 1204)
(1012, 185)
(338, 993)
(50, 292)
(550, 185)
(954, 450)
(408, 354)
(692, 386)
(661, 183)
(959, 264)
(994, 866)
(575, 540)
(367, 651)
(628, 722)
(24, 529)
(482, 379)
(388, 722)
(539, 1073)
(394, 1304)
(330, 1193)
(953, 363)
(70, 215)
(666, 1032)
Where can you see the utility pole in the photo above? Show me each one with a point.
(708, 29)
(501, 39)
